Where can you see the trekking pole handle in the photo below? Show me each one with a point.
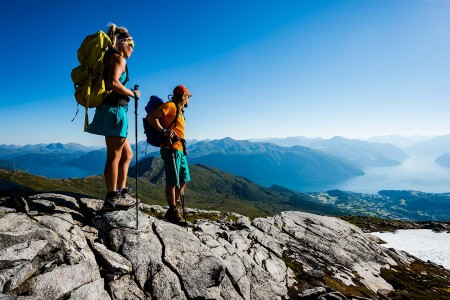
(136, 88)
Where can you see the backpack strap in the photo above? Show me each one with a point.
(174, 121)
(126, 78)
(176, 116)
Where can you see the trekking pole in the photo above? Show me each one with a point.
(136, 98)
(182, 205)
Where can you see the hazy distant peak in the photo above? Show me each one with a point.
(55, 146)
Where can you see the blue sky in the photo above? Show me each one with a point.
(256, 69)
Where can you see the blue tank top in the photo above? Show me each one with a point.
(123, 77)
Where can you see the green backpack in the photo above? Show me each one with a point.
(90, 88)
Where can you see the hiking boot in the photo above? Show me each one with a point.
(116, 200)
(175, 216)
(179, 204)
(179, 214)
(126, 194)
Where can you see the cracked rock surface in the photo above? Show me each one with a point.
(61, 247)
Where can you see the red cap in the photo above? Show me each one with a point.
(180, 90)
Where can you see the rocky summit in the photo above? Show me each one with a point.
(60, 246)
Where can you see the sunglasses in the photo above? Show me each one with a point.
(131, 44)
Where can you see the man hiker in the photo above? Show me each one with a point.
(168, 119)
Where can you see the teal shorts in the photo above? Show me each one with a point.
(181, 167)
(110, 121)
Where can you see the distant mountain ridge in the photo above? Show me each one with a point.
(432, 147)
(265, 163)
(316, 163)
(364, 154)
(398, 140)
(47, 147)
(270, 164)
(444, 160)
(43, 159)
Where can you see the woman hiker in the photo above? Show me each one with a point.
(111, 121)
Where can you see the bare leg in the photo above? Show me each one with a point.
(181, 191)
(170, 195)
(124, 163)
(114, 147)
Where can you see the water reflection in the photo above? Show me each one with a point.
(419, 173)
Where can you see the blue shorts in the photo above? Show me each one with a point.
(110, 121)
(181, 167)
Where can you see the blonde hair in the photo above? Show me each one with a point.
(114, 31)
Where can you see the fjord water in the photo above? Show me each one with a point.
(419, 173)
(59, 172)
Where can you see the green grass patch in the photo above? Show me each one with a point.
(419, 281)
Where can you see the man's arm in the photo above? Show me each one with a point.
(153, 119)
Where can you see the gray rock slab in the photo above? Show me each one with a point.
(312, 293)
(140, 249)
(227, 290)
(19, 228)
(58, 199)
(92, 204)
(122, 219)
(113, 261)
(18, 253)
(319, 240)
(72, 235)
(63, 203)
(14, 297)
(125, 288)
(64, 280)
(11, 278)
(200, 271)
(91, 291)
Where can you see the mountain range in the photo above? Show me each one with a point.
(363, 153)
(432, 147)
(218, 190)
(322, 162)
(269, 164)
(294, 162)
